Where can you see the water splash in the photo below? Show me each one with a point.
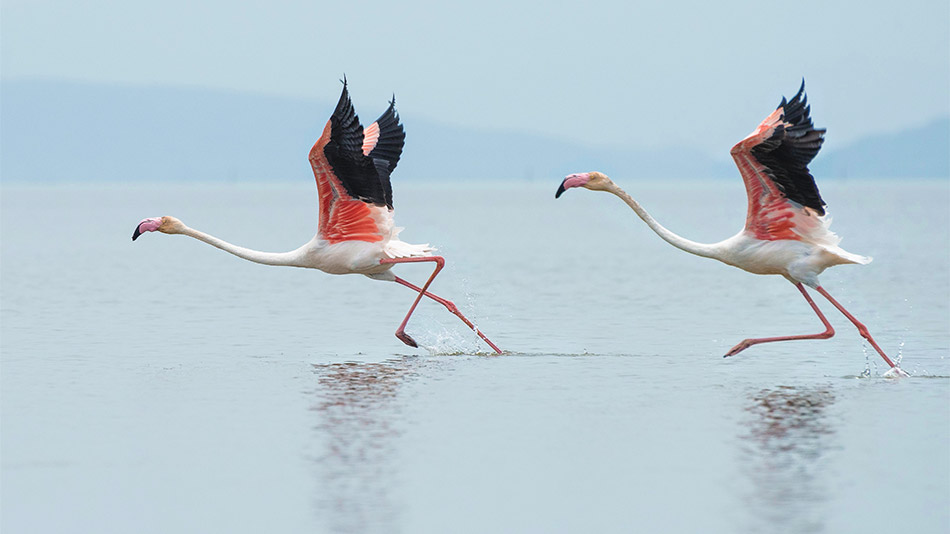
(446, 341)
(470, 299)
(867, 362)
(891, 372)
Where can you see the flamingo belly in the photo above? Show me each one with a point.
(345, 257)
(355, 257)
(796, 260)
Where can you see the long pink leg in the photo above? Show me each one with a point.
(829, 331)
(861, 328)
(449, 305)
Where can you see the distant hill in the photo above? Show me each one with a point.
(922, 152)
(64, 131)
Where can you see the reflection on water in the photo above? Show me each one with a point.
(787, 438)
(360, 417)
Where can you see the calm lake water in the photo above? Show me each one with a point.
(165, 386)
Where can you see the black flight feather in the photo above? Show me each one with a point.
(364, 177)
(392, 137)
(787, 153)
(388, 149)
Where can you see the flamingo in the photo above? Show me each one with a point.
(786, 229)
(355, 232)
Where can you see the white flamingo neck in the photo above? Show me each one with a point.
(266, 258)
(699, 249)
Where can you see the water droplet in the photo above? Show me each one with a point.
(867, 362)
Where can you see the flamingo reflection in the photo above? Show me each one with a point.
(360, 422)
(788, 437)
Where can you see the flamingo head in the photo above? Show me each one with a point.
(595, 181)
(166, 225)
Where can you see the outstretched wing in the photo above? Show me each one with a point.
(354, 189)
(784, 202)
(382, 142)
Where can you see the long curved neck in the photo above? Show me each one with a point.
(699, 249)
(267, 258)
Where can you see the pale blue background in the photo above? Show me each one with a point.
(602, 73)
(163, 386)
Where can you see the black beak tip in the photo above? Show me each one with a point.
(560, 191)
(136, 233)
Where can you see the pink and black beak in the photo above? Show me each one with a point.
(148, 225)
(572, 180)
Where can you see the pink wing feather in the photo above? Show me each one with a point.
(784, 202)
(352, 167)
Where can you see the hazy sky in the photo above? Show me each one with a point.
(601, 72)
